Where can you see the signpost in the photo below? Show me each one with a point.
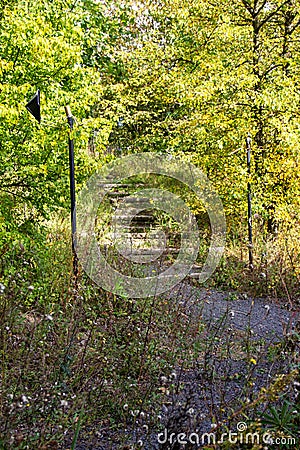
(70, 119)
(34, 107)
(250, 236)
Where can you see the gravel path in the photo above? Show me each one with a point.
(264, 318)
(204, 393)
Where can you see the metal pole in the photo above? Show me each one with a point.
(72, 191)
(250, 235)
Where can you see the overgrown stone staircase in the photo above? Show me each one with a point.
(137, 232)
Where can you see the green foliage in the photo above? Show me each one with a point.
(199, 77)
(186, 78)
(41, 46)
(281, 419)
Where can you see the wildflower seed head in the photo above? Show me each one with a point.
(163, 379)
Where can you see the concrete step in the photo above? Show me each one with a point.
(117, 194)
(140, 218)
(111, 185)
